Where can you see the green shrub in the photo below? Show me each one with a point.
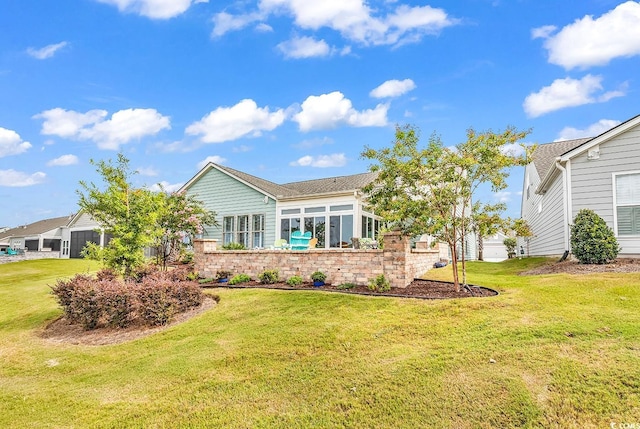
(346, 286)
(592, 241)
(510, 243)
(318, 276)
(294, 281)
(269, 276)
(379, 284)
(239, 278)
(233, 246)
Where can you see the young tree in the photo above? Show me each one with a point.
(520, 228)
(431, 190)
(180, 218)
(128, 214)
(486, 221)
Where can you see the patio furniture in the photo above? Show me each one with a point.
(300, 241)
(280, 244)
(313, 242)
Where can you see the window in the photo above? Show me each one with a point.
(314, 210)
(258, 230)
(317, 227)
(341, 208)
(340, 231)
(290, 211)
(227, 229)
(627, 190)
(65, 247)
(287, 226)
(243, 230)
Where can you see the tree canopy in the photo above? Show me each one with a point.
(431, 190)
(136, 217)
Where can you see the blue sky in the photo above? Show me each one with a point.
(291, 89)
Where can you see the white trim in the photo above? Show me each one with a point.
(607, 135)
(615, 202)
(569, 193)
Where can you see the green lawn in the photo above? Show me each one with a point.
(550, 351)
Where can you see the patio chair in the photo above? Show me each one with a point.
(300, 241)
(280, 244)
(313, 242)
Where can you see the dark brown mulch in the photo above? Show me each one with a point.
(418, 288)
(620, 265)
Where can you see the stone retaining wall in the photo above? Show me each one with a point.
(28, 255)
(397, 261)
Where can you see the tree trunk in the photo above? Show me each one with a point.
(480, 248)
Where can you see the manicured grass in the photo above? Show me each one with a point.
(549, 351)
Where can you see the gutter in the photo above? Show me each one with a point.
(565, 204)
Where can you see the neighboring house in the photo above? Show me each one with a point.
(256, 212)
(80, 230)
(493, 248)
(43, 235)
(600, 173)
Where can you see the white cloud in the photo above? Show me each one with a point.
(393, 88)
(328, 111)
(67, 123)
(166, 187)
(124, 125)
(18, 179)
(543, 32)
(231, 123)
(11, 143)
(46, 52)
(147, 171)
(308, 144)
(154, 9)
(241, 149)
(224, 22)
(353, 19)
(503, 196)
(595, 42)
(216, 159)
(304, 47)
(513, 149)
(63, 160)
(593, 130)
(568, 92)
(321, 161)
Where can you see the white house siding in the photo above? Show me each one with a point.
(227, 196)
(544, 213)
(592, 182)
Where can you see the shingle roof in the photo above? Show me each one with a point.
(306, 187)
(36, 228)
(545, 154)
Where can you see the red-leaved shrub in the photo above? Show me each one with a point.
(111, 302)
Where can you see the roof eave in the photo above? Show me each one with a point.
(211, 165)
(319, 195)
(548, 179)
(607, 135)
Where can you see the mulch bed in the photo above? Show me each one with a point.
(620, 265)
(418, 288)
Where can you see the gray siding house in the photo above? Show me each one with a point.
(43, 235)
(600, 173)
(256, 212)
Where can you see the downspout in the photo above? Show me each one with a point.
(565, 208)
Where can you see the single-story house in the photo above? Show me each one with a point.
(600, 173)
(256, 212)
(80, 230)
(43, 235)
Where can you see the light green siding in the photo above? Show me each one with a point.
(227, 196)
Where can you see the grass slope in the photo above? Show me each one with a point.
(566, 351)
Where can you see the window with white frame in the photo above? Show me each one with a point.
(627, 198)
(243, 230)
(258, 230)
(228, 230)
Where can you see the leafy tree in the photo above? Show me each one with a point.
(129, 214)
(486, 221)
(180, 218)
(592, 240)
(520, 227)
(431, 190)
(137, 217)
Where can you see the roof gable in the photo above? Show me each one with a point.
(293, 189)
(545, 155)
(602, 138)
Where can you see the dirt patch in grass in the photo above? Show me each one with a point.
(418, 288)
(61, 331)
(620, 265)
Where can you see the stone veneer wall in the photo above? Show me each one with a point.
(398, 262)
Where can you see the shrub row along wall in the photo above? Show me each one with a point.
(398, 262)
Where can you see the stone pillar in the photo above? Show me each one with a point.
(396, 247)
